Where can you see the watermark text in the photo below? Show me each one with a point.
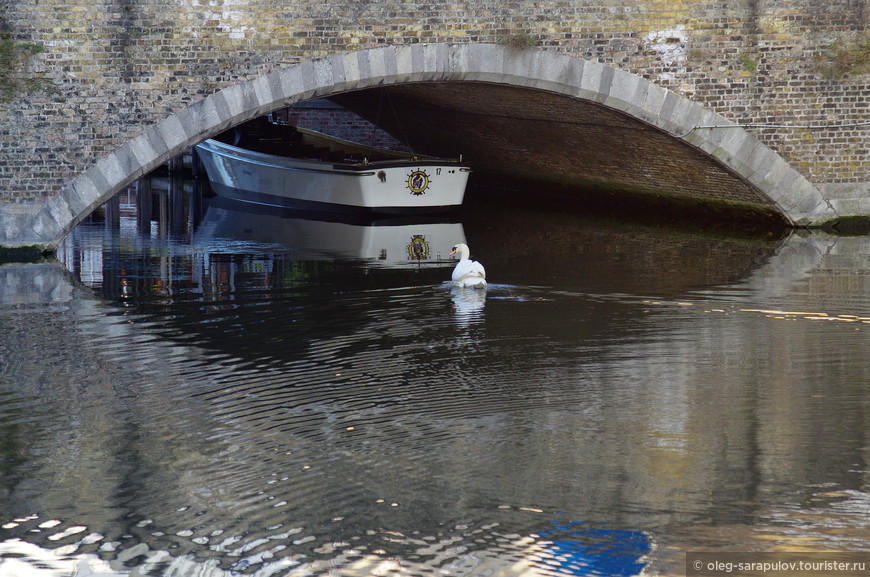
(785, 564)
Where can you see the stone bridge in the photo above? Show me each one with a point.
(757, 105)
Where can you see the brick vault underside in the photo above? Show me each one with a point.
(513, 133)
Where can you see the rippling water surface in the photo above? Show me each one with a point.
(272, 395)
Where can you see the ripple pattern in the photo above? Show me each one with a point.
(237, 409)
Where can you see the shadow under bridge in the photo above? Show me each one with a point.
(582, 149)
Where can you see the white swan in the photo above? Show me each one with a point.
(468, 273)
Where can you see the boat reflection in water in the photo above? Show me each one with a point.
(381, 241)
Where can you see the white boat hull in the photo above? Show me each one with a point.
(394, 186)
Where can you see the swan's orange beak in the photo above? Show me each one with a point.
(453, 250)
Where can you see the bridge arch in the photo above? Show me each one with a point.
(776, 183)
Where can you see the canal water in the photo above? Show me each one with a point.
(262, 393)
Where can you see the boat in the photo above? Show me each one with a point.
(298, 168)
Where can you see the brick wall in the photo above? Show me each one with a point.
(109, 67)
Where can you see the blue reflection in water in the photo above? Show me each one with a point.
(578, 549)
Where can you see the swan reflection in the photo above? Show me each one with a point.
(467, 305)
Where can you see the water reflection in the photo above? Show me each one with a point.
(391, 242)
(219, 404)
(468, 305)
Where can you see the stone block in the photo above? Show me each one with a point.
(82, 195)
(756, 159)
(146, 157)
(486, 62)
(41, 229)
(429, 62)
(262, 91)
(528, 68)
(809, 206)
(418, 63)
(189, 123)
(249, 101)
(173, 135)
(845, 190)
(684, 116)
(439, 61)
(358, 69)
(235, 100)
(112, 171)
(777, 171)
(458, 61)
(334, 73)
(155, 140)
(404, 64)
(669, 105)
(15, 223)
(702, 135)
(653, 102)
(60, 213)
(851, 206)
(590, 82)
(391, 67)
(626, 92)
(292, 84)
(819, 215)
(129, 163)
(215, 107)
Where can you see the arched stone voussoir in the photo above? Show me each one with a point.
(635, 97)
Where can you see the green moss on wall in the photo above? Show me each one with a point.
(15, 56)
(848, 60)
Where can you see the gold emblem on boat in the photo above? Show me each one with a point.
(418, 248)
(418, 182)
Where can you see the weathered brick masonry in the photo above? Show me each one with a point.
(84, 76)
